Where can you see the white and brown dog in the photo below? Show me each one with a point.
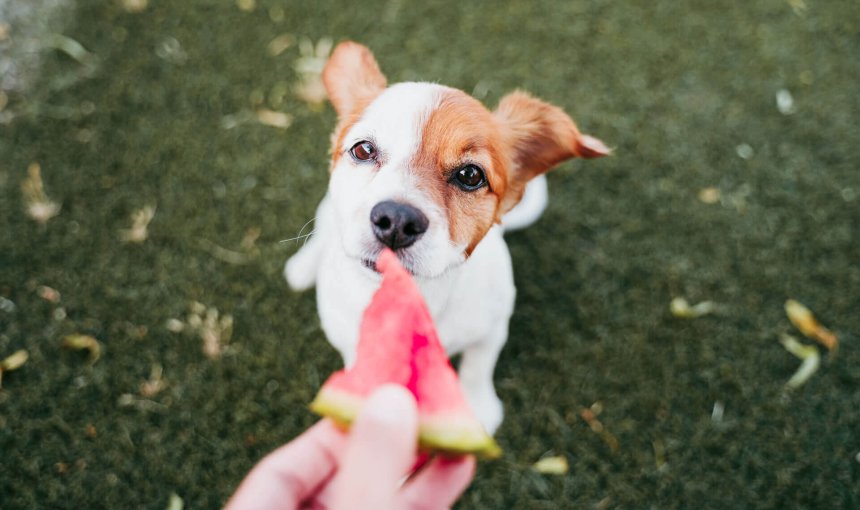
(428, 171)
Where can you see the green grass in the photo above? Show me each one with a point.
(675, 87)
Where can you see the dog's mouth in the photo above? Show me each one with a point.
(369, 264)
(404, 261)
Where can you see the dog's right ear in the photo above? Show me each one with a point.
(352, 78)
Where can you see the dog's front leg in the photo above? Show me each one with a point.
(476, 378)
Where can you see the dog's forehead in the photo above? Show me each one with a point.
(396, 118)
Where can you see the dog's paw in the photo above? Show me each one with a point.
(487, 408)
(299, 274)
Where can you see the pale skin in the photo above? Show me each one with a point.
(364, 468)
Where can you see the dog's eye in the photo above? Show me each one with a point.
(470, 178)
(363, 151)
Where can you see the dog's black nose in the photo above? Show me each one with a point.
(397, 225)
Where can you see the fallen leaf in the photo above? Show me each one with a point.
(39, 206)
(135, 6)
(213, 328)
(72, 48)
(807, 353)
(13, 362)
(155, 383)
(310, 65)
(49, 294)
(7, 305)
(174, 325)
(280, 44)
(798, 6)
(555, 465)
(709, 195)
(139, 230)
(274, 119)
(246, 5)
(681, 308)
(175, 502)
(589, 415)
(224, 255)
(805, 321)
(745, 151)
(785, 102)
(78, 342)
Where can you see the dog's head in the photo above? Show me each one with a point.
(427, 170)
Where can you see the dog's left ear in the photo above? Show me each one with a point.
(352, 77)
(538, 136)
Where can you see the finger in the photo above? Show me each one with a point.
(440, 483)
(293, 472)
(380, 450)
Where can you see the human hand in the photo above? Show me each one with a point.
(361, 469)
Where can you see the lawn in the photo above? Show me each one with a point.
(734, 180)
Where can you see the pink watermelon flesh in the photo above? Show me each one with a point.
(398, 344)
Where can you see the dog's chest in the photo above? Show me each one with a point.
(467, 303)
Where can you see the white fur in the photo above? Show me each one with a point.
(530, 207)
(471, 300)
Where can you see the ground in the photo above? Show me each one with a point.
(717, 191)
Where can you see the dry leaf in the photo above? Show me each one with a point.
(48, 294)
(79, 342)
(807, 353)
(246, 5)
(280, 44)
(785, 102)
(798, 6)
(209, 325)
(709, 195)
(174, 325)
(215, 333)
(139, 230)
(310, 65)
(135, 6)
(556, 465)
(155, 383)
(39, 206)
(311, 90)
(681, 308)
(13, 362)
(802, 318)
(274, 119)
(589, 415)
(745, 151)
(175, 502)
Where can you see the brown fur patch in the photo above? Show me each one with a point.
(352, 80)
(350, 75)
(343, 127)
(461, 131)
(540, 136)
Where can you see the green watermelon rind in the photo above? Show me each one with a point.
(443, 436)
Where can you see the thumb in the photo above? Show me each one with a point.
(380, 450)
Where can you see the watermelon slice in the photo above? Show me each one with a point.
(398, 344)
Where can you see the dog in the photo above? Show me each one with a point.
(429, 172)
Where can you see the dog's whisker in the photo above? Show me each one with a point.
(312, 232)
(305, 237)
(306, 224)
(300, 236)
